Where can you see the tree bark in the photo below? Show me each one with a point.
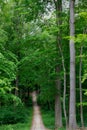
(72, 109)
(58, 110)
(64, 92)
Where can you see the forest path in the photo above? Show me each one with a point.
(37, 123)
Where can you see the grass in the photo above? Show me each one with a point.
(19, 126)
(48, 119)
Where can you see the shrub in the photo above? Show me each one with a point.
(13, 115)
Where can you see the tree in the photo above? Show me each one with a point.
(58, 110)
(72, 109)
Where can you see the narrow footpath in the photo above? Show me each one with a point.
(37, 123)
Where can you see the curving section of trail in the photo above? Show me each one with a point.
(37, 123)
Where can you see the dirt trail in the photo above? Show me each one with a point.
(37, 123)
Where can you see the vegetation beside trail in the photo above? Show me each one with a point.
(23, 116)
(19, 126)
(48, 119)
(47, 116)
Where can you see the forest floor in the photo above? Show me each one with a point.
(37, 123)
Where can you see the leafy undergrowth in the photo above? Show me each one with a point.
(48, 119)
(13, 115)
(20, 126)
(47, 116)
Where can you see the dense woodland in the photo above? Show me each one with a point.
(43, 47)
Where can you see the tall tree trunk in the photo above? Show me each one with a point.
(72, 109)
(58, 110)
(64, 92)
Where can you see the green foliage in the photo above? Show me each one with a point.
(7, 75)
(3, 38)
(20, 126)
(28, 51)
(81, 38)
(12, 115)
(48, 119)
(47, 96)
(7, 67)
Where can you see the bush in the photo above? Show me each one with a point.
(13, 115)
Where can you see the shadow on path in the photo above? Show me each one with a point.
(37, 123)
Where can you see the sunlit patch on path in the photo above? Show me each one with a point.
(37, 123)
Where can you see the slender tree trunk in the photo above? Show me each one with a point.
(64, 96)
(58, 5)
(80, 86)
(58, 110)
(72, 109)
(64, 92)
